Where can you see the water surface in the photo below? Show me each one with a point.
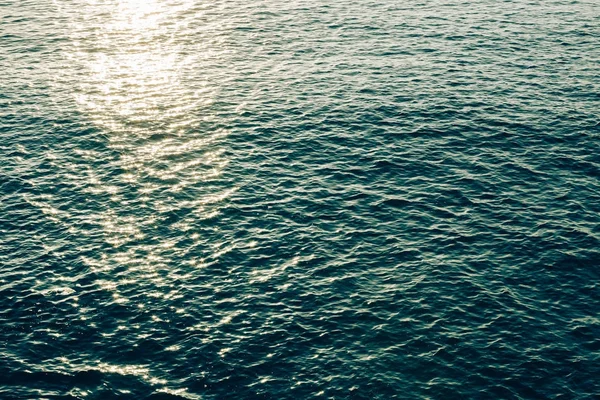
(298, 200)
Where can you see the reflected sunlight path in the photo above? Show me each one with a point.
(132, 58)
(142, 83)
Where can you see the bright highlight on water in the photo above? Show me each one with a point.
(299, 200)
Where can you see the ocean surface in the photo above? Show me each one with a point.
(347, 199)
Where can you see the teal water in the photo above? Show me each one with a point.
(299, 200)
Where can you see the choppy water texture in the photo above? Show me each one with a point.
(299, 199)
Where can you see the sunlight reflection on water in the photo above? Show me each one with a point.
(130, 62)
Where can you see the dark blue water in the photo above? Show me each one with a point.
(298, 200)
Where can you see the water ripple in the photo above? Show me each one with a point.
(299, 200)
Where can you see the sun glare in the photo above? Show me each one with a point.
(131, 58)
(138, 15)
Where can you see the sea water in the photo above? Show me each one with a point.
(300, 199)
